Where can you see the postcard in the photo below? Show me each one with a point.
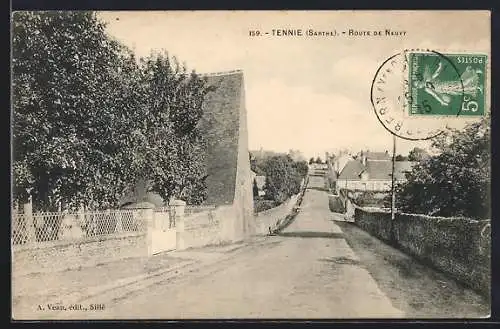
(264, 165)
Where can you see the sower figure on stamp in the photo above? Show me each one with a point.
(441, 90)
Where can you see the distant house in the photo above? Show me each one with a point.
(260, 180)
(331, 173)
(372, 172)
(374, 156)
(335, 164)
(340, 161)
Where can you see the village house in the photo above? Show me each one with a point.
(371, 171)
(260, 180)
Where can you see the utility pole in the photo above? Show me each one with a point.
(393, 194)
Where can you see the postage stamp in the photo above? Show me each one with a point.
(446, 84)
(417, 93)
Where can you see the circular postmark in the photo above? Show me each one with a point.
(416, 92)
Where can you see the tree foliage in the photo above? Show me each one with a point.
(417, 154)
(90, 119)
(456, 182)
(283, 177)
(400, 157)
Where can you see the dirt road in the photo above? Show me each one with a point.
(318, 267)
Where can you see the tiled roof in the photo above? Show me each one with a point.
(379, 170)
(220, 127)
(351, 170)
(376, 170)
(377, 155)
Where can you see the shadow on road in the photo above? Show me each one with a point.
(341, 261)
(322, 189)
(310, 234)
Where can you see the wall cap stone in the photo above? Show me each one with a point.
(177, 203)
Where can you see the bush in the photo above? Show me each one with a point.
(263, 204)
(283, 177)
(454, 182)
(335, 204)
(369, 198)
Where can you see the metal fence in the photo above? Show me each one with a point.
(38, 228)
(63, 226)
(190, 210)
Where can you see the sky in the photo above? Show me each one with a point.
(306, 93)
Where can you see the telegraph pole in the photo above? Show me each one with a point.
(393, 194)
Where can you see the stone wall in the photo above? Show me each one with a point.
(213, 227)
(460, 247)
(269, 218)
(224, 126)
(243, 197)
(375, 222)
(203, 236)
(63, 256)
(204, 228)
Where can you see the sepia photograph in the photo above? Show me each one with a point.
(178, 165)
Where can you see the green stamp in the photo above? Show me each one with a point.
(446, 84)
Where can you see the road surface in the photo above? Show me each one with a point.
(319, 267)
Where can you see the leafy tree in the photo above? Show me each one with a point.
(90, 120)
(173, 107)
(417, 154)
(400, 157)
(63, 67)
(318, 160)
(301, 168)
(282, 178)
(311, 160)
(456, 182)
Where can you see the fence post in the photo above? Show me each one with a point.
(28, 215)
(179, 207)
(119, 225)
(81, 216)
(149, 221)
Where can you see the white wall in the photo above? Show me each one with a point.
(368, 185)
